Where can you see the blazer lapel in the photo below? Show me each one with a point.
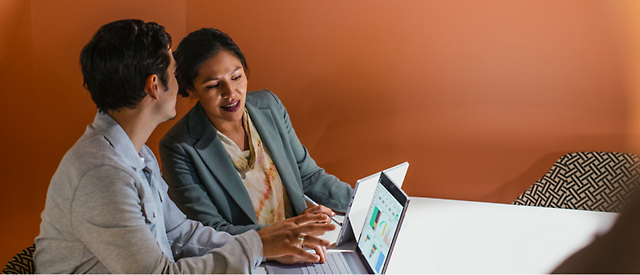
(213, 154)
(265, 124)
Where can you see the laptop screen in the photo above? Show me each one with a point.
(380, 226)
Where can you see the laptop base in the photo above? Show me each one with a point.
(337, 263)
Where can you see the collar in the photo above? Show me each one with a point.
(119, 140)
(198, 118)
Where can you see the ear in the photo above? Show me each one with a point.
(151, 86)
(192, 94)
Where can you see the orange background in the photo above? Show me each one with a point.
(481, 97)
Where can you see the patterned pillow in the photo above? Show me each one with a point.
(22, 263)
(601, 181)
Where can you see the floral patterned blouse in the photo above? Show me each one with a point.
(259, 175)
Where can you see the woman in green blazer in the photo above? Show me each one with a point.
(234, 161)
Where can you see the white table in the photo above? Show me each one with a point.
(449, 236)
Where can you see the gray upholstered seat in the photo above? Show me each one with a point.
(601, 181)
(22, 263)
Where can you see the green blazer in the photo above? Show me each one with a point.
(206, 186)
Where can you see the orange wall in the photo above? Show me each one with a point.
(480, 97)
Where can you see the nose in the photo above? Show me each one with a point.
(227, 90)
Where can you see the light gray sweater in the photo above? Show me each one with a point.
(107, 211)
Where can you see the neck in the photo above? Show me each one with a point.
(228, 128)
(136, 123)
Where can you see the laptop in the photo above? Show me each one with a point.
(375, 245)
(360, 200)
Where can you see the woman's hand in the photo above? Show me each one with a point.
(281, 240)
(321, 209)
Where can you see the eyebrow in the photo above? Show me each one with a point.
(216, 78)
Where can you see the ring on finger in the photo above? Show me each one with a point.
(300, 238)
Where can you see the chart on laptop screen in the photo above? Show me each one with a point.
(382, 220)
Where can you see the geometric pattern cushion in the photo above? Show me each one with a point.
(22, 263)
(600, 181)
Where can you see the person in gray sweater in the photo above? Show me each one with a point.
(107, 208)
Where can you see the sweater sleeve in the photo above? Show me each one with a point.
(106, 215)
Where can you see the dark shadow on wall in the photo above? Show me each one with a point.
(24, 178)
(510, 190)
(505, 193)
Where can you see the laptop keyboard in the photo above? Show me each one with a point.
(335, 264)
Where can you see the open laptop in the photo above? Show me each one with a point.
(360, 200)
(375, 245)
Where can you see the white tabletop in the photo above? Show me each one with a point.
(449, 236)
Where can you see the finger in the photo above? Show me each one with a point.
(322, 252)
(316, 234)
(320, 209)
(299, 240)
(317, 230)
(327, 219)
(308, 218)
(313, 229)
(327, 211)
(315, 241)
(303, 255)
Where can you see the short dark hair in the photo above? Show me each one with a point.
(118, 60)
(198, 47)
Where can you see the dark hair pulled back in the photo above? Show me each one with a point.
(198, 47)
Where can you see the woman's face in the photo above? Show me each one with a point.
(221, 87)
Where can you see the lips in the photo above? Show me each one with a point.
(232, 106)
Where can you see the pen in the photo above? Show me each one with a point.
(316, 204)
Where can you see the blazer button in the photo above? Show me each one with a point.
(154, 214)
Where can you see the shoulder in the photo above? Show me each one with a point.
(263, 99)
(104, 182)
(180, 130)
(90, 151)
(92, 156)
